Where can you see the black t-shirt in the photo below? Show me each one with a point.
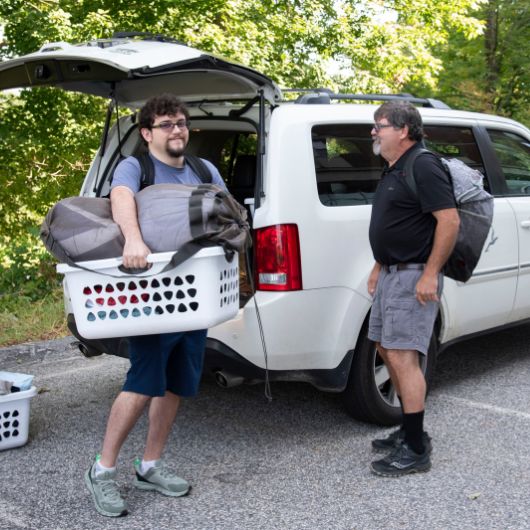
(402, 225)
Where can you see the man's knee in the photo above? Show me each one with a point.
(402, 360)
(136, 398)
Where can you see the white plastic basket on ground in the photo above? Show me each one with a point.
(14, 418)
(200, 293)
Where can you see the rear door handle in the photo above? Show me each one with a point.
(525, 224)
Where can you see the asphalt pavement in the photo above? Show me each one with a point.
(298, 462)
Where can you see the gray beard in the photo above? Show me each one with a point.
(376, 148)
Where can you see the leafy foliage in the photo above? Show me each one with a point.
(48, 138)
(491, 72)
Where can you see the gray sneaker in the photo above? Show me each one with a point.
(160, 478)
(105, 493)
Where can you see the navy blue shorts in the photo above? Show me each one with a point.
(170, 361)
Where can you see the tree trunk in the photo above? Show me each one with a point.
(491, 43)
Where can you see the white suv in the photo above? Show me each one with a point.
(306, 171)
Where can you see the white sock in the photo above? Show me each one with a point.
(99, 469)
(146, 465)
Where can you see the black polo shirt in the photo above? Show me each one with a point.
(402, 225)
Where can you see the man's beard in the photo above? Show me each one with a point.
(174, 153)
(376, 147)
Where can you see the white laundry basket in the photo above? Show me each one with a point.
(14, 418)
(201, 292)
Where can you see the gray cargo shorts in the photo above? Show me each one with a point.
(397, 320)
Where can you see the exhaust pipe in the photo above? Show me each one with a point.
(87, 351)
(228, 380)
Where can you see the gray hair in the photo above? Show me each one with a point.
(400, 114)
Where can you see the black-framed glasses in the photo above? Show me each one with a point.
(379, 126)
(168, 125)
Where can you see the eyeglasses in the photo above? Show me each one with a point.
(168, 126)
(379, 126)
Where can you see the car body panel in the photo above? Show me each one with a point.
(324, 325)
(521, 205)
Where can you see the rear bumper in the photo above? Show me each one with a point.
(220, 357)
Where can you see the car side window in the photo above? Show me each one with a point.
(347, 171)
(513, 152)
(455, 142)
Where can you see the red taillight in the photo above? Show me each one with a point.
(277, 259)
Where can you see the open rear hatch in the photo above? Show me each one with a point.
(130, 70)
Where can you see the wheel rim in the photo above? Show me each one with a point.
(382, 380)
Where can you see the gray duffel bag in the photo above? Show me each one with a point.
(81, 229)
(172, 217)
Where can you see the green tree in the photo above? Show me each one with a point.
(47, 137)
(491, 73)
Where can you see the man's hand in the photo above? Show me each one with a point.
(445, 234)
(427, 288)
(124, 213)
(135, 253)
(372, 279)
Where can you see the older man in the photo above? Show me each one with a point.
(411, 236)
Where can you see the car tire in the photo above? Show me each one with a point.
(369, 394)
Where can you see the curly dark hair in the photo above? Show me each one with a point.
(162, 105)
(401, 114)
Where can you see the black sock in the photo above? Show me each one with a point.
(413, 424)
(402, 412)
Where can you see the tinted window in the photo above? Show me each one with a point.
(513, 152)
(455, 142)
(347, 171)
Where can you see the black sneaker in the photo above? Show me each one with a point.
(396, 438)
(402, 461)
(390, 442)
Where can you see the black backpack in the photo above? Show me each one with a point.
(475, 208)
(147, 177)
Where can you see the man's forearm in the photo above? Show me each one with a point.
(124, 213)
(445, 235)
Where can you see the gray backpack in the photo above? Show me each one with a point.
(171, 217)
(475, 208)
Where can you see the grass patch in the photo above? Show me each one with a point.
(23, 319)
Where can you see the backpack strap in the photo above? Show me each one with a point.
(199, 168)
(408, 171)
(147, 170)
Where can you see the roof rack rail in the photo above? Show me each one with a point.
(315, 96)
(145, 35)
(324, 96)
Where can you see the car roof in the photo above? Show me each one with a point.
(364, 112)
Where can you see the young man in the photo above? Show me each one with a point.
(163, 367)
(411, 238)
